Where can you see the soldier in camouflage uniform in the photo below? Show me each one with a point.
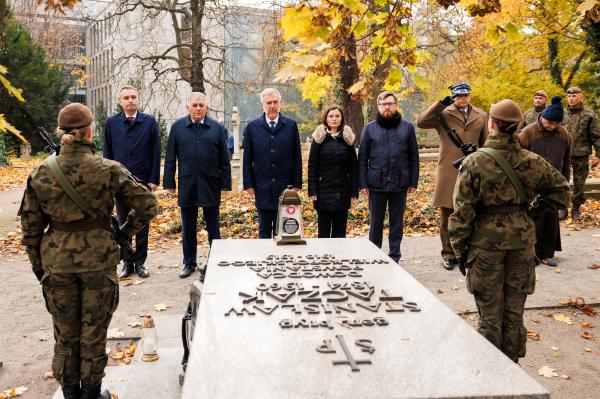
(75, 259)
(540, 98)
(491, 232)
(584, 128)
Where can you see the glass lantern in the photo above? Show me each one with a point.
(149, 340)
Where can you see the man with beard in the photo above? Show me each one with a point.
(552, 142)
(584, 128)
(540, 98)
(388, 162)
(470, 124)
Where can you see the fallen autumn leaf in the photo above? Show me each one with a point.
(563, 318)
(161, 307)
(547, 372)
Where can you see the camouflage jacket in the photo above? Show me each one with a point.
(530, 116)
(481, 182)
(98, 181)
(584, 128)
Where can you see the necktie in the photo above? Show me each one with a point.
(130, 120)
(197, 124)
(466, 114)
(272, 124)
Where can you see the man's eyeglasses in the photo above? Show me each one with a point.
(387, 105)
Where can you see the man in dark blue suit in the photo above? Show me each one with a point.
(133, 139)
(272, 160)
(199, 144)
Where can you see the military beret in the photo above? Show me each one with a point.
(541, 93)
(460, 88)
(506, 111)
(74, 116)
(574, 90)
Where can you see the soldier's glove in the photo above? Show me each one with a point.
(462, 262)
(39, 274)
(447, 101)
(122, 239)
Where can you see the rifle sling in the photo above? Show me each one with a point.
(71, 192)
(448, 130)
(508, 171)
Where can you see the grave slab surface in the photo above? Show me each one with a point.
(266, 345)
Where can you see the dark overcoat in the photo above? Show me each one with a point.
(272, 159)
(204, 168)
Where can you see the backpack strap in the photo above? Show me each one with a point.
(508, 171)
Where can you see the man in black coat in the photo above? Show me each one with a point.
(388, 162)
(272, 160)
(199, 144)
(133, 139)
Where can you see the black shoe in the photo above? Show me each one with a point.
(575, 213)
(127, 270)
(449, 264)
(71, 391)
(187, 271)
(93, 392)
(141, 271)
(562, 214)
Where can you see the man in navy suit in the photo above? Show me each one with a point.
(199, 144)
(133, 139)
(272, 159)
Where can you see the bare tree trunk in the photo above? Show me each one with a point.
(197, 75)
(2, 15)
(554, 62)
(349, 75)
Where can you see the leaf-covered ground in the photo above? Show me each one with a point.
(239, 218)
(15, 175)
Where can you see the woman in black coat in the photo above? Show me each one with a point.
(332, 173)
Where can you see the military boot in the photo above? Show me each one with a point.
(71, 391)
(575, 213)
(93, 392)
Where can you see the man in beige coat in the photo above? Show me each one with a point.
(470, 124)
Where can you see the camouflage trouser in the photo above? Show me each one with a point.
(81, 305)
(581, 169)
(500, 282)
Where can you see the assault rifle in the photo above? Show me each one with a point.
(114, 227)
(466, 148)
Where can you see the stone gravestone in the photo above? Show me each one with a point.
(335, 318)
(25, 151)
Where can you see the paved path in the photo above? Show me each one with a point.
(10, 200)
